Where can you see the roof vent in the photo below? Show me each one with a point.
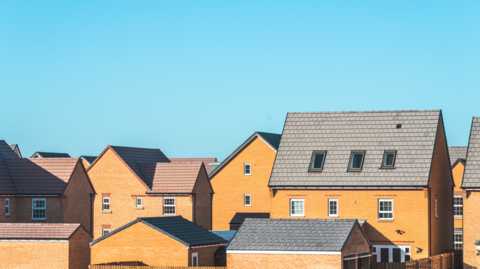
(399, 126)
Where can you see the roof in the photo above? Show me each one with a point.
(170, 177)
(457, 153)
(6, 151)
(16, 149)
(292, 235)
(36, 175)
(43, 154)
(273, 140)
(88, 159)
(206, 161)
(51, 231)
(339, 133)
(227, 235)
(240, 217)
(471, 175)
(176, 227)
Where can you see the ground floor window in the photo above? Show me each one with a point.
(458, 240)
(391, 253)
(195, 259)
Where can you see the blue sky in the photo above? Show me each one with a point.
(196, 78)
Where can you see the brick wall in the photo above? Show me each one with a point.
(206, 256)
(203, 201)
(23, 209)
(471, 229)
(140, 243)
(457, 172)
(356, 243)
(79, 250)
(11, 217)
(283, 261)
(36, 255)
(230, 184)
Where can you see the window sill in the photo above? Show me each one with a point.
(458, 217)
(297, 216)
(7, 216)
(387, 168)
(315, 170)
(386, 220)
(354, 170)
(169, 214)
(139, 208)
(333, 216)
(107, 212)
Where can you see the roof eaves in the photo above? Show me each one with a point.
(70, 177)
(434, 147)
(114, 232)
(266, 141)
(164, 232)
(276, 155)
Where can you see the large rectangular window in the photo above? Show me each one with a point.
(333, 207)
(39, 209)
(169, 206)
(317, 161)
(7, 206)
(297, 207)
(248, 200)
(458, 206)
(391, 253)
(356, 161)
(385, 209)
(106, 204)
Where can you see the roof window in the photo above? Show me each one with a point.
(389, 158)
(356, 161)
(318, 159)
(399, 126)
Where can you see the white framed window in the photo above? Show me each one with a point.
(105, 232)
(195, 259)
(39, 209)
(385, 209)
(247, 169)
(7, 206)
(458, 240)
(458, 206)
(248, 200)
(169, 206)
(333, 207)
(106, 204)
(138, 202)
(356, 161)
(392, 253)
(297, 207)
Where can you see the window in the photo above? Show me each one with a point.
(7, 206)
(390, 253)
(106, 204)
(356, 161)
(138, 202)
(105, 232)
(458, 241)
(195, 259)
(248, 200)
(318, 159)
(247, 169)
(385, 209)
(458, 206)
(389, 158)
(333, 207)
(39, 208)
(168, 206)
(297, 207)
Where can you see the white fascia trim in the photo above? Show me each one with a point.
(284, 252)
(266, 142)
(32, 240)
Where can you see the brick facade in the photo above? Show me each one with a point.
(283, 261)
(471, 229)
(457, 172)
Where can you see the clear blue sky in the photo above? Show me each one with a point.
(196, 78)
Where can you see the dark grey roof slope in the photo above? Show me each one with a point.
(292, 235)
(471, 175)
(6, 151)
(339, 133)
(240, 217)
(178, 228)
(43, 154)
(273, 140)
(457, 153)
(88, 159)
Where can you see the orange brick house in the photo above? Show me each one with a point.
(159, 241)
(136, 183)
(458, 157)
(44, 245)
(240, 181)
(389, 168)
(299, 243)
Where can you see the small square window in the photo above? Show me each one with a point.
(247, 169)
(318, 159)
(297, 207)
(248, 200)
(389, 158)
(105, 232)
(356, 161)
(138, 202)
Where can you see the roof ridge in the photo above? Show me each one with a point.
(369, 111)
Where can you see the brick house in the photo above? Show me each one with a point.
(458, 157)
(44, 245)
(299, 243)
(158, 241)
(43, 154)
(240, 181)
(389, 168)
(135, 183)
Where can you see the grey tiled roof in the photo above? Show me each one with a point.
(6, 151)
(471, 176)
(292, 235)
(339, 133)
(457, 153)
(43, 154)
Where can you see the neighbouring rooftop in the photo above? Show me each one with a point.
(51, 231)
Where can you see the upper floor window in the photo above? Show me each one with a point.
(106, 204)
(7, 206)
(297, 207)
(318, 159)
(247, 169)
(356, 161)
(139, 202)
(169, 206)
(105, 232)
(248, 200)
(333, 207)
(458, 206)
(389, 158)
(458, 241)
(39, 208)
(385, 209)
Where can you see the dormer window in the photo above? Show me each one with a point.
(356, 161)
(318, 159)
(389, 158)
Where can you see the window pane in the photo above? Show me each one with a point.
(333, 207)
(389, 158)
(458, 211)
(169, 201)
(318, 160)
(384, 255)
(397, 255)
(247, 199)
(297, 207)
(247, 169)
(407, 257)
(356, 161)
(457, 201)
